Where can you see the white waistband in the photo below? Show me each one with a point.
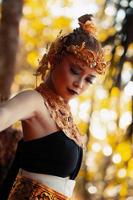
(62, 185)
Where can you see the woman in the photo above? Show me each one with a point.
(50, 154)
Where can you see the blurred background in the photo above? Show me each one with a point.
(104, 113)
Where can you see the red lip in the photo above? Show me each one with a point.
(72, 91)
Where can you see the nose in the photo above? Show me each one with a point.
(78, 83)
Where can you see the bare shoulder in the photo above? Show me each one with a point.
(35, 97)
(32, 96)
(23, 96)
(29, 93)
(24, 104)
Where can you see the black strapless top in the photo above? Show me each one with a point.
(54, 154)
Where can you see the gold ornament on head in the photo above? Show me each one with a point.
(92, 58)
(87, 25)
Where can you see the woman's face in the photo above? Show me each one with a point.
(70, 78)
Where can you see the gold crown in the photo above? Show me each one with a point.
(93, 59)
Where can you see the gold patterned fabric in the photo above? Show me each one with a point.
(27, 189)
(60, 112)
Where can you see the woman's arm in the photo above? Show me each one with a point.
(20, 107)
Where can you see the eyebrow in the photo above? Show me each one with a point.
(76, 65)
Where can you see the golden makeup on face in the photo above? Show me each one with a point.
(70, 77)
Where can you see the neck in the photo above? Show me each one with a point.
(48, 82)
(50, 85)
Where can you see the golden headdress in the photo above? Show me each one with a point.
(94, 59)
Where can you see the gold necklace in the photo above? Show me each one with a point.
(60, 112)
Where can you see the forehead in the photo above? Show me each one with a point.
(79, 64)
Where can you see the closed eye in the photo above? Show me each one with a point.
(89, 80)
(74, 71)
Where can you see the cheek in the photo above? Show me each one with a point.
(64, 73)
(70, 77)
(85, 86)
(59, 76)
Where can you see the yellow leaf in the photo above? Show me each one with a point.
(130, 168)
(123, 189)
(61, 22)
(124, 149)
(115, 92)
(32, 58)
(83, 127)
(104, 103)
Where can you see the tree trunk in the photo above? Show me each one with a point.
(9, 31)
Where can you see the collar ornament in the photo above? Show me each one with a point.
(60, 112)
